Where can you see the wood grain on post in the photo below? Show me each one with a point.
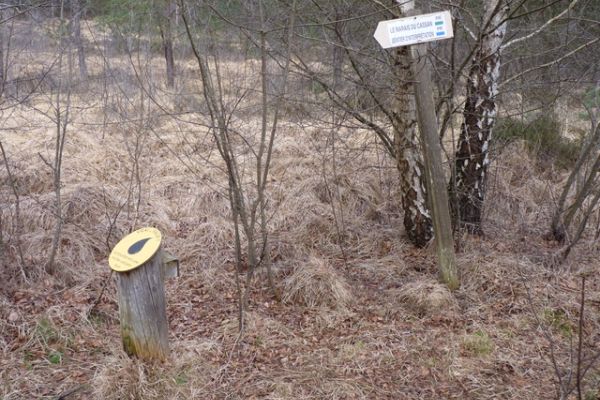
(432, 154)
(436, 181)
(142, 310)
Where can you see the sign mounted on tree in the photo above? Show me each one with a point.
(134, 249)
(418, 29)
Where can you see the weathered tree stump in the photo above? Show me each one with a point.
(142, 310)
(141, 268)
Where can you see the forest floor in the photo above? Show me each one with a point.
(363, 316)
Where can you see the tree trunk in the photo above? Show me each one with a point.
(167, 38)
(76, 11)
(417, 218)
(142, 310)
(479, 116)
(2, 64)
(337, 52)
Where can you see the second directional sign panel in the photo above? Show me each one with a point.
(417, 29)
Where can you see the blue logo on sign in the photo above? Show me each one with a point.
(440, 33)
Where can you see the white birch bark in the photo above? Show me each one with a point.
(409, 157)
(479, 116)
(417, 218)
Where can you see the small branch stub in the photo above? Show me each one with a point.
(141, 268)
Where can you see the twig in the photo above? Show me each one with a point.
(579, 376)
(70, 392)
(541, 28)
(97, 301)
(549, 64)
(46, 161)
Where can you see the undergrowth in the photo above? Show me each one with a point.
(542, 137)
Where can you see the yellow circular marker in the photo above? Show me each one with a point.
(134, 249)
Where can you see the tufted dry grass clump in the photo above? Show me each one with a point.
(316, 283)
(427, 298)
(85, 236)
(29, 177)
(186, 375)
(124, 378)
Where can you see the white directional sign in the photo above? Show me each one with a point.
(417, 29)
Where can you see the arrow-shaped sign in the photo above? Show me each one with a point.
(417, 29)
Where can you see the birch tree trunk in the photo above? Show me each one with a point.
(479, 116)
(417, 218)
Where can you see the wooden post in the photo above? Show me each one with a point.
(434, 172)
(432, 151)
(142, 310)
(141, 268)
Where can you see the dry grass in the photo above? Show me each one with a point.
(426, 298)
(315, 283)
(523, 197)
(184, 376)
